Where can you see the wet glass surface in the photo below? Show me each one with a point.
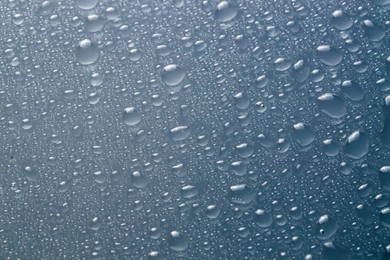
(183, 129)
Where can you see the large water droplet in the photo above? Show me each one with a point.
(341, 20)
(326, 227)
(241, 194)
(177, 241)
(385, 133)
(94, 23)
(87, 52)
(303, 134)
(139, 180)
(263, 219)
(86, 4)
(373, 31)
(172, 75)
(328, 55)
(131, 116)
(225, 12)
(31, 174)
(384, 217)
(357, 145)
(384, 177)
(352, 91)
(332, 105)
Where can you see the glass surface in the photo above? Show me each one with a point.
(194, 129)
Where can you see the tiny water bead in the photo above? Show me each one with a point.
(87, 53)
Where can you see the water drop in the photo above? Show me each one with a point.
(384, 217)
(87, 52)
(352, 91)
(326, 227)
(328, 55)
(357, 145)
(303, 134)
(341, 20)
(172, 75)
(86, 4)
(180, 133)
(373, 31)
(263, 219)
(131, 117)
(177, 241)
(384, 177)
(225, 12)
(332, 105)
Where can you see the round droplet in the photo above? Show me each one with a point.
(138, 180)
(95, 224)
(212, 211)
(172, 75)
(238, 168)
(352, 91)
(357, 145)
(326, 227)
(303, 134)
(301, 71)
(281, 64)
(32, 175)
(331, 148)
(245, 150)
(373, 31)
(328, 55)
(86, 4)
(177, 241)
(94, 23)
(263, 219)
(262, 81)
(87, 52)
(225, 12)
(332, 105)
(341, 20)
(99, 177)
(241, 101)
(131, 116)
